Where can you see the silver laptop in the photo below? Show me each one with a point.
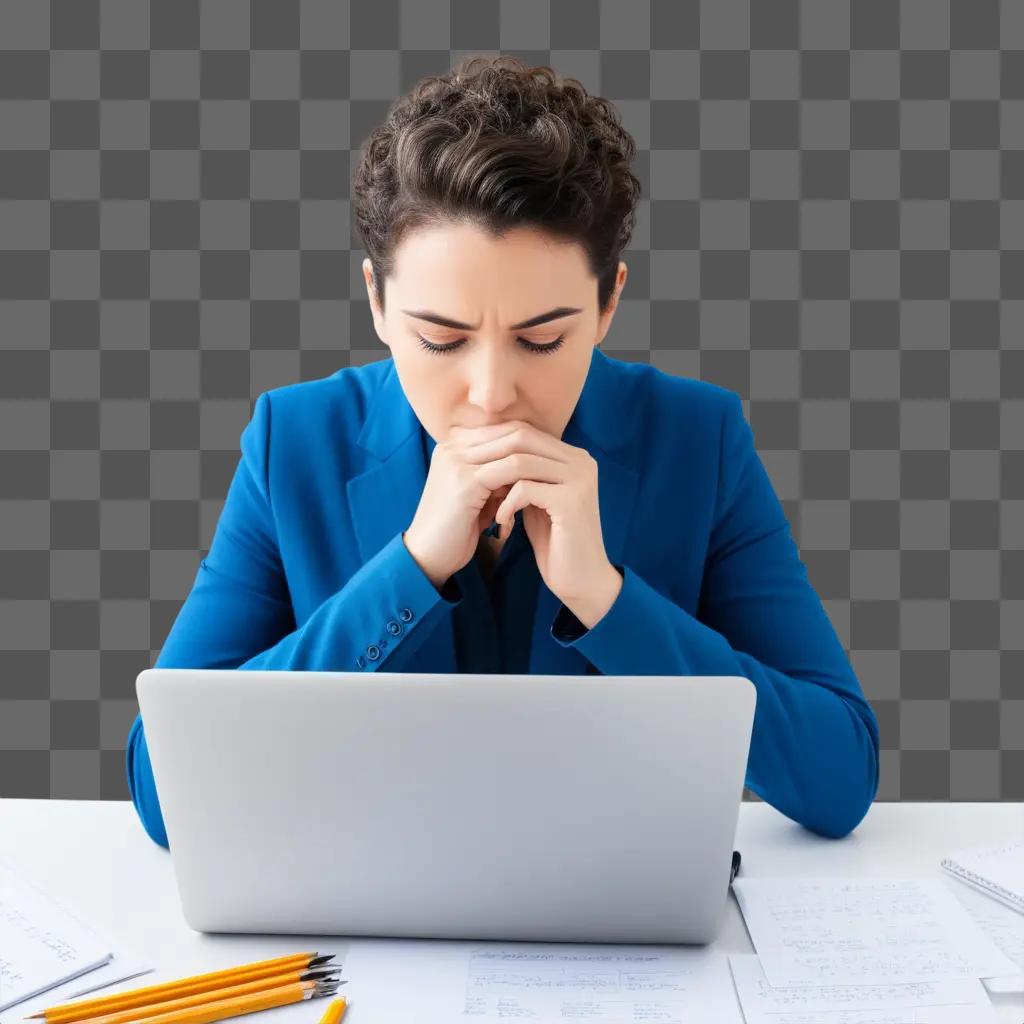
(525, 807)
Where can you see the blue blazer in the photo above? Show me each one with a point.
(307, 570)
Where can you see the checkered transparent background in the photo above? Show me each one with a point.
(832, 226)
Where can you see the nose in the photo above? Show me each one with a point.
(492, 382)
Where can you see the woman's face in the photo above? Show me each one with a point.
(460, 273)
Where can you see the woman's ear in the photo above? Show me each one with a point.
(605, 320)
(370, 276)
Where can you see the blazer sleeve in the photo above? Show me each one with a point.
(814, 750)
(239, 614)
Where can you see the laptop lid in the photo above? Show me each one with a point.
(534, 807)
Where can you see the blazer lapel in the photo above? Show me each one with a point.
(385, 496)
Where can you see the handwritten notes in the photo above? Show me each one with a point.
(930, 1002)
(864, 931)
(1005, 927)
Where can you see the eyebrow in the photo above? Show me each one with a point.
(534, 321)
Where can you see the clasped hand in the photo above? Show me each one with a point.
(555, 484)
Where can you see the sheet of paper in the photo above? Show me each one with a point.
(866, 968)
(117, 975)
(42, 943)
(1004, 926)
(914, 928)
(423, 981)
(931, 1002)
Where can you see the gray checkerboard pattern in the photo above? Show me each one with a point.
(832, 226)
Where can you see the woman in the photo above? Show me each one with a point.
(638, 531)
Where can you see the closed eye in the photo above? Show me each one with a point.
(528, 345)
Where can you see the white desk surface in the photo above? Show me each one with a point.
(95, 857)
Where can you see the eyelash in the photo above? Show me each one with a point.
(553, 346)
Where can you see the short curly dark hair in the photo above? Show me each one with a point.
(501, 145)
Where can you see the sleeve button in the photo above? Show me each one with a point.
(373, 652)
(360, 662)
(405, 615)
(393, 628)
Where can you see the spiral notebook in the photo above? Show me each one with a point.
(996, 869)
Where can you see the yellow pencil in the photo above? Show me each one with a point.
(163, 1006)
(266, 969)
(236, 1006)
(334, 1012)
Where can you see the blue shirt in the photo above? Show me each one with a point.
(493, 620)
(308, 571)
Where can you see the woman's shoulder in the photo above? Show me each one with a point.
(348, 389)
(673, 398)
(307, 425)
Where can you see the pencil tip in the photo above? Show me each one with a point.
(327, 972)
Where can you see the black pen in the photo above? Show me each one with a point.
(735, 870)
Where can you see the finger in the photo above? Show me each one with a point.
(527, 492)
(508, 471)
(488, 512)
(495, 499)
(491, 505)
(530, 440)
(470, 436)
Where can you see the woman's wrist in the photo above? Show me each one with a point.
(435, 577)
